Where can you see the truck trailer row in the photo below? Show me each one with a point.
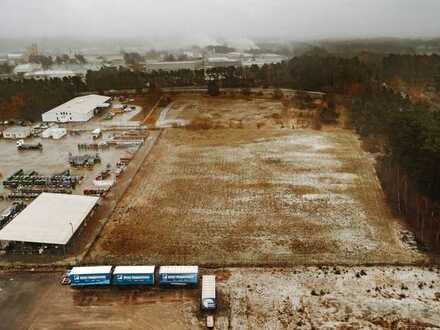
(145, 275)
(133, 275)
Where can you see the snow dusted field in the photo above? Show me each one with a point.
(301, 209)
(255, 197)
(331, 298)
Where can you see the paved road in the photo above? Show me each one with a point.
(161, 121)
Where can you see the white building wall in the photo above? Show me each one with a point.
(17, 133)
(63, 117)
(78, 109)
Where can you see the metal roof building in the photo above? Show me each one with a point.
(79, 109)
(51, 219)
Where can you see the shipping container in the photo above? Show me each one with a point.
(178, 275)
(208, 300)
(94, 275)
(133, 275)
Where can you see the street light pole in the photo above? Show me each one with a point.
(71, 227)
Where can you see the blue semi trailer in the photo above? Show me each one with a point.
(93, 275)
(133, 275)
(178, 275)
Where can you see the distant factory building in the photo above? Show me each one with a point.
(79, 109)
(222, 62)
(48, 224)
(263, 59)
(17, 132)
(15, 58)
(48, 74)
(174, 65)
(23, 69)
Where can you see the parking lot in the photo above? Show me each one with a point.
(31, 301)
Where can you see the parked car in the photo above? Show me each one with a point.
(210, 322)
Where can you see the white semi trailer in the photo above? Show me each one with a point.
(208, 299)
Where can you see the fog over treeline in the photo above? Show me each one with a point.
(205, 22)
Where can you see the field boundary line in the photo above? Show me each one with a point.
(89, 246)
(153, 109)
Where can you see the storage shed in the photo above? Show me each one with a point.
(48, 224)
(17, 132)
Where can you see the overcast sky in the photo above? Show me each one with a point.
(206, 19)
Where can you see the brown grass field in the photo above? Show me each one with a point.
(248, 196)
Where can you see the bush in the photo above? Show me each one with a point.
(328, 115)
(278, 94)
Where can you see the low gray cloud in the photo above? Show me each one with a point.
(207, 19)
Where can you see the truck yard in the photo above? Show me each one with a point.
(54, 159)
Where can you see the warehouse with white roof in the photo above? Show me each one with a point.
(79, 109)
(48, 224)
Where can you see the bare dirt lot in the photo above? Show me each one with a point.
(253, 197)
(334, 298)
(248, 298)
(236, 112)
(38, 301)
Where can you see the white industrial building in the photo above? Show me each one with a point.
(49, 222)
(22, 69)
(174, 65)
(79, 109)
(48, 74)
(17, 132)
(222, 62)
(54, 133)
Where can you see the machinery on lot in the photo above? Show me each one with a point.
(96, 133)
(100, 192)
(21, 145)
(63, 180)
(31, 193)
(210, 322)
(84, 160)
(93, 146)
(10, 213)
(103, 175)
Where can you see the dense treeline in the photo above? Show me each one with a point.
(409, 132)
(27, 99)
(410, 68)
(313, 71)
(306, 72)
(112, 78)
